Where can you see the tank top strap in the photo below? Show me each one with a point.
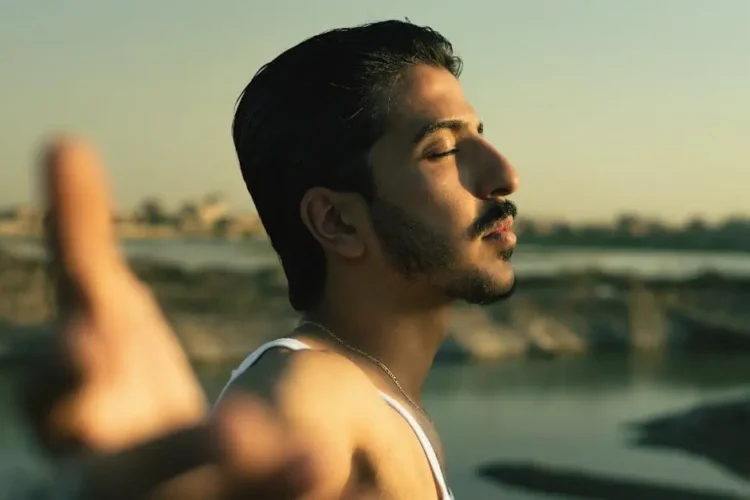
(424, 441)
(284, 343)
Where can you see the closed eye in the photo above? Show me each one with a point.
(437, 156)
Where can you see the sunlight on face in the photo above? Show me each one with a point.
(440, 212)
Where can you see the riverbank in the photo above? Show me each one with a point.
(221, 314)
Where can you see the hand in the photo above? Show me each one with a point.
(126, 378)
(117, 383)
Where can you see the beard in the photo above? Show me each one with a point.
(414, 250)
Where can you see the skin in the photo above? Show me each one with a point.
(442, 183)
(116, 377)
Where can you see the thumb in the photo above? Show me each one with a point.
(256, 457)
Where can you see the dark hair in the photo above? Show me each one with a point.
(309, 118)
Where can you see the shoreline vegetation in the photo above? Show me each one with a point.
(220, 315)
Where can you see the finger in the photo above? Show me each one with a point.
(83, 240)
(48, 379)
(138, 471)
(195, 462)
(255, 456)
(51, 388)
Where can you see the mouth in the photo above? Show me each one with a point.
(501, 233)
(499, 228)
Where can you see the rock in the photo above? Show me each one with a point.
(719, 432)
(475, 334)
(213, 339)
(647, 318)
(545, 334)
(553, 337)
(221, 314)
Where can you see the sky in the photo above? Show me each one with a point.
(603, 106)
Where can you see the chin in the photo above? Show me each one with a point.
(482, 287)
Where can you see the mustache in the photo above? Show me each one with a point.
(492, 216)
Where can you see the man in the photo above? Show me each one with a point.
(386, 204)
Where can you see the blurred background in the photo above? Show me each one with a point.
(620, 369)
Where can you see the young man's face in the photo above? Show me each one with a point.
(440, 213)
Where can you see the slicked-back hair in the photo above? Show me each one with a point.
(309, 119)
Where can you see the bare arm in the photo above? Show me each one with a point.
(115, 393)
(320, 400)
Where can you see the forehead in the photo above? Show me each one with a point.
(423, 96)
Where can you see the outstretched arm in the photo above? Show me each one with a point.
(118, 389)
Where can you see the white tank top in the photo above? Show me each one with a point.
(444, 492)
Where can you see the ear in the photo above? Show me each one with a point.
(334, 220)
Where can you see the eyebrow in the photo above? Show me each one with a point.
(453, 125)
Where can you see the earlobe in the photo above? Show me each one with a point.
(328, 217)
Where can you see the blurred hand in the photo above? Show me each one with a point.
(125, 377)
(117, 377)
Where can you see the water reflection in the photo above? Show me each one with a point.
(593, 376)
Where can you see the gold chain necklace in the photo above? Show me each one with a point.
(373, 359)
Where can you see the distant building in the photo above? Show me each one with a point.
(202, 217)
(211, 209)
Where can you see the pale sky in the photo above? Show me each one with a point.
(604, 106)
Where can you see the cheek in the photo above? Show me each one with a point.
(446, 207)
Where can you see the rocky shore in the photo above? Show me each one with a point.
(220, 315)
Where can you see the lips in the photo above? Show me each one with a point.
(501, 234)
(500, 228)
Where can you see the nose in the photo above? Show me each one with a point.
(496, 176)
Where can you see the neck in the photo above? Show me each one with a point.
(396, 329)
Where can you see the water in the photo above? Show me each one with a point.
(528, 260)
(563, 413)
(570, 413)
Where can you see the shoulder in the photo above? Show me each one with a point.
(306, 377)
(321, 398)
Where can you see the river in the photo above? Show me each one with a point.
(528, 260)
(567, 412)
